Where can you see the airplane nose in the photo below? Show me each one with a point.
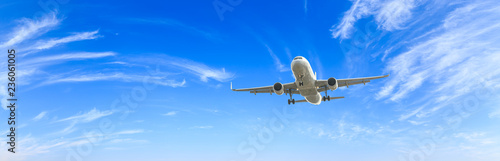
(294, 65)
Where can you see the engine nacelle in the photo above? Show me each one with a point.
(278, 88)
(332, 83)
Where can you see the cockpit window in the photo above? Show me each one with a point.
(298, 57)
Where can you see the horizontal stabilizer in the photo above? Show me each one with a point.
(331, 98)
(297, 101)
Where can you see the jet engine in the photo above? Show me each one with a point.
(278, 88)
(332, 83)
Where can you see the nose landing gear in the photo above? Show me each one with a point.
(291, 100)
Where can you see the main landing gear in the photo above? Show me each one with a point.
(326, 97)
(291, 100)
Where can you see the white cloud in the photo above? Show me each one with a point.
(70, 56)
(455, 62)
(417, 122)
(466, 44)
(114, 76)
(27, 29)
(202, 127)
(279, 66)
(408, 115)
(171, 113)
(46, 44)
(359, 9)
(494, 114)
(89, 116)
(128, 132)
(343, 130)
(389, 15)
(201, 70)
(30, 28)
(40, 116)
(393, 14)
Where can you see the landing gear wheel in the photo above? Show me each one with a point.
(292, 101)
(325, 98)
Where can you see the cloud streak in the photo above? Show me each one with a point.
(199, 69)
(46, 44)
(70, 56)
(92, 115)
(279, 66)
(40, 116)
(389, 14)
(446, 60)
(202, 127)
(30, 28)
(158, 80)
(171, 113)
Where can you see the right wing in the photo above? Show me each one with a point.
(322, 84)
(289, 87)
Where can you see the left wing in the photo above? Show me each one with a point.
(269, 89)
(322, 84)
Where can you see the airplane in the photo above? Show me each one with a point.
(307, 85)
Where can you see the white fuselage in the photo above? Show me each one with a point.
(305, 79)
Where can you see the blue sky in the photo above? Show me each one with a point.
(127, 80)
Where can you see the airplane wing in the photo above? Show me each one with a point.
(269, 89)
(322, 84)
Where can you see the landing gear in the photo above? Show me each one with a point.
(326, 97)
(291, 100)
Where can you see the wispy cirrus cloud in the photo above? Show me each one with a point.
(171, 113)
(389, 14)
(204, 71)
(201, 70)
(410, 114)
(359, 9)
(30, 28)
(158, 80)
(342, 130)
(70, 56)
(202, 127)
(394, 13)
(279, 66)
(40, 116)
(79, 36)
(89, 116)
(41, 145)
(128, 132)
(466, 43)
